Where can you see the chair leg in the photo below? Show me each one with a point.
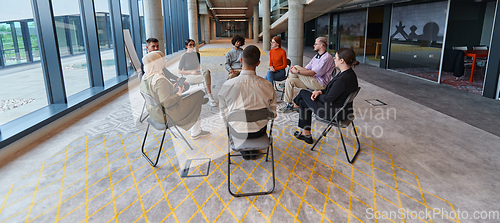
(159, 150)
(141, 119)
(345, 148)
(324, 133)
(282, 93)
(252, 193)
(182, 136)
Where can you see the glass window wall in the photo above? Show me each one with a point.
(416, 37)
(333, 36)
(352, 32)
(105, 39)
(124, 4)
(70, 41)
(22, 87)
(374, 35)
(322, 25)
(143, 27)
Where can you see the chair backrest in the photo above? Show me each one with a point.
(289, 64)
(460, 47)
(150, 100)
(480, 48)
(351, 97)
(250, 115)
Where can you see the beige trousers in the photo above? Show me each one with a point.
(300, 81)
(199, 78)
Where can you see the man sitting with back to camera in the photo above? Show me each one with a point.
(247, 92)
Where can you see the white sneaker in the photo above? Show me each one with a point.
(212, 103)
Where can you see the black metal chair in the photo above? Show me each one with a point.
(288, 63)
(342, 124)
(261, 143)
(168, 123)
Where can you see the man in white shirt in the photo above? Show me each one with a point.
(247, 92)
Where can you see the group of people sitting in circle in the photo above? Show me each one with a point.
(325, 83)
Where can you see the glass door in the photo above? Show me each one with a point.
(374, 35)
(352, 32)
(416, 38)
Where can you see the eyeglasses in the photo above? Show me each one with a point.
(192, 44)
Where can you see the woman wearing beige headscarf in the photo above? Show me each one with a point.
(184, 111)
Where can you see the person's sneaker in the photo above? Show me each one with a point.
(212, 103)
(201, 134)
(306, 138)
(287, 107)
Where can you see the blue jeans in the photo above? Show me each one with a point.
(271, 76)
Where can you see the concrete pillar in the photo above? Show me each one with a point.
(202, 28)
(214, 29)
(249, 29)
(256, 23)
(266, 25)
(206, 24)
(193, 21)
(153, 21)
(295, 31)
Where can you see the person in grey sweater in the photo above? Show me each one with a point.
(233, 57)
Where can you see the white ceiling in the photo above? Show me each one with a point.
(248, 13)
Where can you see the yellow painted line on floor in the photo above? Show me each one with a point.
(219, 168)
(34, 193)
(135, 183)
(113, 198)
(62, 186)
(6, 197)
(86, 181)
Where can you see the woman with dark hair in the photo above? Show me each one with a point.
(189, 66)
(277, 61)
(233, 57)
(325, 103)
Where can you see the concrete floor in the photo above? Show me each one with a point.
(416, 155)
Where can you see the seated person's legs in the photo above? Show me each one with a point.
(208, 83)
(271, 76)
(194, 79)
(306, 108)
(186, 114)
(291, 82)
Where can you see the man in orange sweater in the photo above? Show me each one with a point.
(277, 61)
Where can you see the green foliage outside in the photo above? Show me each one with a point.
(8, 43)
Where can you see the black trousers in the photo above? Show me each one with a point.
(307, 107)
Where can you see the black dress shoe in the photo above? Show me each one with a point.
(306, 138)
